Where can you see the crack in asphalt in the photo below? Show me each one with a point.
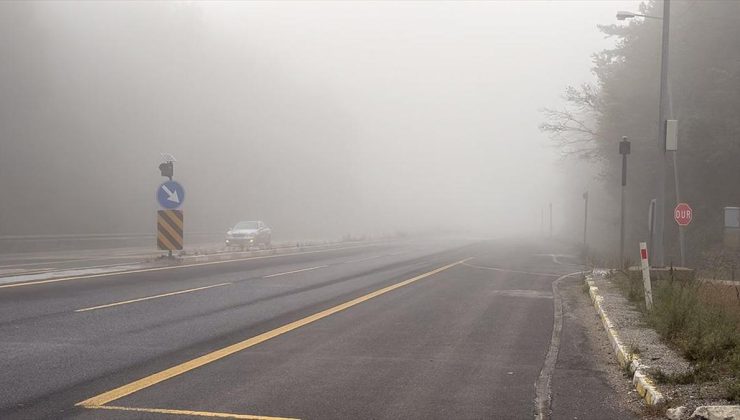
(543, 389)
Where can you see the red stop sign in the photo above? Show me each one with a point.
(683, 214)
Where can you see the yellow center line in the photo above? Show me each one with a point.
(296, 271)
(190, 413)
(125, 302)
(176, 370)
(148, 270)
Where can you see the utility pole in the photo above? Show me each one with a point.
(671, 145)
(550, 220)
(585, 220)
(660, 202)
(624, 150)
(542, 222)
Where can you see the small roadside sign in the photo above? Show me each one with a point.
(683, 214)
(170, 195)
(645, 265)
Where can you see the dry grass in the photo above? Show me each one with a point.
(702, 320)
(722, 296)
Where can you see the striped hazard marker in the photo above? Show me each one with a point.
(169, 229)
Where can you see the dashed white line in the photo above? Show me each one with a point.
(125, 302)
(363, 259)
(295, 271)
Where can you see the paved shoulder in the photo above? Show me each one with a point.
(587, 382)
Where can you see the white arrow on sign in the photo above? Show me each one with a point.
(171, 196)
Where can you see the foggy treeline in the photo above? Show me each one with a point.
(704, 80)
(93, 92)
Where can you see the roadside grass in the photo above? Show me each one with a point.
(634, 349)
(700, 319)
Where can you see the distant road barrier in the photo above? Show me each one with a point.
(30, 243)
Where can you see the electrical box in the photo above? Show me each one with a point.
(671, 135)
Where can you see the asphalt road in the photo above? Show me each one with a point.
(415, 329)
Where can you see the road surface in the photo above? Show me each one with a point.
(411, 329)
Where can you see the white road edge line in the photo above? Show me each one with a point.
(174, 267)
(295, 271)
(92, 308)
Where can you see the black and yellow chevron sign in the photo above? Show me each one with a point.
(169, 229)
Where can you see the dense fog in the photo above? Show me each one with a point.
(321, 118)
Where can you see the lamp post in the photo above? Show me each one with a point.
(622, 15)
(585, 221)
(624, 150)
(658, 250)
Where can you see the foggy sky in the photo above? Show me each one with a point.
(321, 118)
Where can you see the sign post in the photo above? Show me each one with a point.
(170, 196)
(646, 276)
(624, 150)
(682, 214)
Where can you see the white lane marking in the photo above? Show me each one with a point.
(363, 259)
(64, 260)
(506, 270)
(125, 302)
(176, 267)
(295, 271)
(538, 294)
(23, 271)
(556, 258)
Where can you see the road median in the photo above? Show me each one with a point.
(178, 261)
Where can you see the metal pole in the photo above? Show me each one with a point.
(550, 220)
(621, 223)
(678, 200)
(651, 226)
(660, 204)
(542, 221)
(624, 150)
(585, 220)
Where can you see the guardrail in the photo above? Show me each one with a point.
(31, 243)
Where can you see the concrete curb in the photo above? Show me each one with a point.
(642, 382)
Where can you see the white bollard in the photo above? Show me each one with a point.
(646, 276)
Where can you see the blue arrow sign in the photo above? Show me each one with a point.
(170, 195)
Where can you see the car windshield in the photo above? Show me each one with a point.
(246, 225)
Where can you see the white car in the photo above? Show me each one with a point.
(249, 233)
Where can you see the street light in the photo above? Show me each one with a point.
(660, 181)
(585, 222)
(622, 15)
